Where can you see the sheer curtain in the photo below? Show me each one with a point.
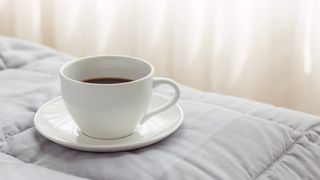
(266, 50)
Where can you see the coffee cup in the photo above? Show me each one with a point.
(108, 96)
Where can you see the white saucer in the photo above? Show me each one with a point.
(53, 122)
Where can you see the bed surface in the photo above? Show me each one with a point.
(221, 138)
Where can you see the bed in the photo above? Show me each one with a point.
(222, 137)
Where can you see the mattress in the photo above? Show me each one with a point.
(222, 137)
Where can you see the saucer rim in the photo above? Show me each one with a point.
(111, 147)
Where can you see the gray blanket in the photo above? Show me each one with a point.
(222, 137)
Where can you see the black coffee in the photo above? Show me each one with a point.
(107, 80)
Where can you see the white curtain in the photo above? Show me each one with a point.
(267, 50)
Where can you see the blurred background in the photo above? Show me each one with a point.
(266, 50)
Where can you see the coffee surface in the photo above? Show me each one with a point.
(107, 80)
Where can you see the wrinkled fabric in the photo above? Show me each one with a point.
(222, 137)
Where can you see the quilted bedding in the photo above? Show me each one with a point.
(221, 138)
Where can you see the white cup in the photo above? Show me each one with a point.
(110, 111)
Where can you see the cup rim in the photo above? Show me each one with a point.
(108, 56)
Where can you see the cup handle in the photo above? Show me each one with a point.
(174, 99)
